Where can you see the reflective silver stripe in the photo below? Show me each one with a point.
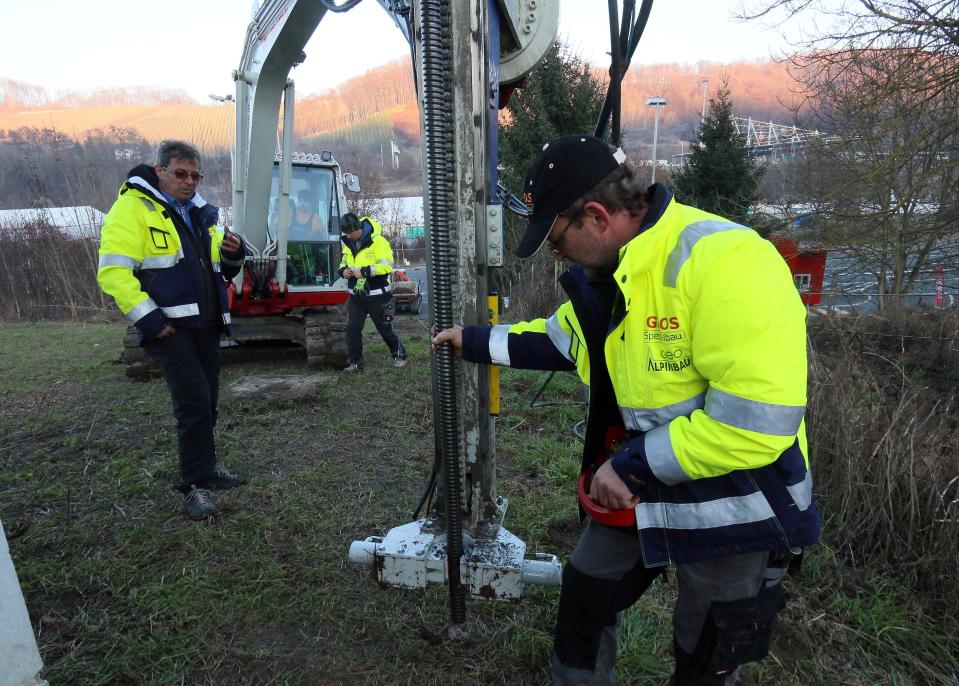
(561, 340)
(687, 240)
(178, 311)
(141, 310)
(379, 291)
(662, 458)
(499, 344)
(764, 418)
(162, 261)
(226, 318)
(149, 205)
(646, 418)
(216, 266)
(744, 509)
(388, 263)
(118, 261)
(802, 492)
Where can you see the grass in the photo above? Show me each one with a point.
(123, 589)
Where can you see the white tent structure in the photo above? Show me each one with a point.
(20, 661)
(74, 222)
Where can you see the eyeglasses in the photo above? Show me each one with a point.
(182, 175)
(556, 244)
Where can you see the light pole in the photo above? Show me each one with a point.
(223, 99)
(657, 101)
(705, 83)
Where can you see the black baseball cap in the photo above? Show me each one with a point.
(567, 169)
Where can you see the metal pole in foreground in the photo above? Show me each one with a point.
(656, 102)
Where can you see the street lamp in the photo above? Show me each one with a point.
(705, 83)
(658, 102)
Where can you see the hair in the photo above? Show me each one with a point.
(180, 150)
(619, 190)
(349, 223)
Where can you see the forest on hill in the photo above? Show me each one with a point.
(371, 110)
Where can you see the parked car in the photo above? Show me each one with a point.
(407, 294)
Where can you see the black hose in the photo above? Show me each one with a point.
(437, 85)
(625, 43)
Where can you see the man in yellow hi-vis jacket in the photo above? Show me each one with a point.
(367, 263)
(165, 263)
(691, 336)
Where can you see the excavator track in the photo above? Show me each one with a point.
(325, 333)
(136, 363)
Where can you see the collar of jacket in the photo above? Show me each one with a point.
(640, 252)
(143, 178)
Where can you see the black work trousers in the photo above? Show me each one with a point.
(190, 360)
(606, 575)
(380, 309)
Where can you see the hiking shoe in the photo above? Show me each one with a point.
(399, 359)
(199, 503)
(353, 367)
(223, 478)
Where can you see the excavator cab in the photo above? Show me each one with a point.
(312, 231)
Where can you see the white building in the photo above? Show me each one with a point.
(74, 222)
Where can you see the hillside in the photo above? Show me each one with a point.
(380, 106)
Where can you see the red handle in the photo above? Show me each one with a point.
(601, 513)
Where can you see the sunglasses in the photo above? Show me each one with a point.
(182, 175)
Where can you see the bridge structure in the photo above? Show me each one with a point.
(766, 139)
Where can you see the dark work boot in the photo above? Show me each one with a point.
(199, 503)
(223, 479)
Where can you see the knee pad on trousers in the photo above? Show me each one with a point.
(585, 609)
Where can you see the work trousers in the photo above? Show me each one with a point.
(605, 575)
(190, 360)
(380, 309)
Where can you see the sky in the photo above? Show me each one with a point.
(195, 45)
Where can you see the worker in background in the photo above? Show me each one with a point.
(165, 263)
(691, 336)
(367, 263)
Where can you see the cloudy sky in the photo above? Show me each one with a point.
(66, 45)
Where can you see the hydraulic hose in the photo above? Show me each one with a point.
(437, 85)
(623, 43)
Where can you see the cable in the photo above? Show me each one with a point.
(333, 7)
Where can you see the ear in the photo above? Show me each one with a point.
(598, 214)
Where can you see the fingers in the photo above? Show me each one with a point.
(452, 335)
(609, 490)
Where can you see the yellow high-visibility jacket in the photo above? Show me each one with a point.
(155, 268)
(372, 255)
(698, 349)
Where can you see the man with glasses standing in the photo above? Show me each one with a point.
(691, 336)
(165, 263)
(366, 264)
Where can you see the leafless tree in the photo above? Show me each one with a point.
(883, 77)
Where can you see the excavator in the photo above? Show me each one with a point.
(468, 56)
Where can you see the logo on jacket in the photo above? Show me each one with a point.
(666, 350)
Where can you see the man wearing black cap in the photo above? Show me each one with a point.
(691, 336)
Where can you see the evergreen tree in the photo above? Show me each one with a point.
(719, 176)
(560, 97)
